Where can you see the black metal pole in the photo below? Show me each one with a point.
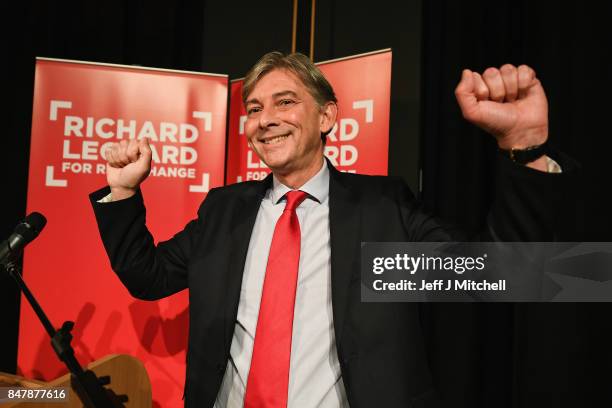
(86, 383)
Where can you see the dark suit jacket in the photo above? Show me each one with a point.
(379, 345)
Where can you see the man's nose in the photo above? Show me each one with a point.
(268, 118)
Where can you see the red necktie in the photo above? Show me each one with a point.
(268, 382)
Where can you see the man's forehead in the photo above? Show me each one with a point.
(277, 82)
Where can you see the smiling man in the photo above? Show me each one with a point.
(286, 118)
(273, 266)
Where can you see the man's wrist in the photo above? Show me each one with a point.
(526, 155)
(546, 165)
(540, 164)
(121, 193)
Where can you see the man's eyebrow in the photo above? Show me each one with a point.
(284, 93)
(252, 100)
(275, 95)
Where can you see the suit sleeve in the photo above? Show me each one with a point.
(148, 271)
(529, 205)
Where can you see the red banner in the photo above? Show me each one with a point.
(78, 109)
(359, 142)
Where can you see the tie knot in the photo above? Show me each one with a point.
(294, 199)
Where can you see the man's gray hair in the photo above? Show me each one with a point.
(298, 64)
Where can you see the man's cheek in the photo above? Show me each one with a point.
(294, 118)
(251, 137)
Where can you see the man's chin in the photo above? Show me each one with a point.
(275, 163)
(278, 167)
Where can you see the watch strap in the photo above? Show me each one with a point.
(527, 155)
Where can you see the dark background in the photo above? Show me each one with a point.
(502, 355)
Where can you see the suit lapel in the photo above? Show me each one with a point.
(243, 221)
(344, 229)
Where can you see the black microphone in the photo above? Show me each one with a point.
(24, 233)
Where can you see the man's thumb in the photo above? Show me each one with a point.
(144, 148)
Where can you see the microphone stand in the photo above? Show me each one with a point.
(87, 385)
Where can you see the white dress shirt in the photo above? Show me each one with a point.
(314, 376)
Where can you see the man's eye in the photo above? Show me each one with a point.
(252, 111)
(286, 102)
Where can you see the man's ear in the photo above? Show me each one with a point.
(329, 112)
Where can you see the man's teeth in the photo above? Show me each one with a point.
(275, 139)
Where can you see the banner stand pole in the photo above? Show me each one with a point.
(87, 385)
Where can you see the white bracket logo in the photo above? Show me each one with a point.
(55, 105)
(243, 119)
(51, 182)
(368, 105)
(206, 117)
(202, 188)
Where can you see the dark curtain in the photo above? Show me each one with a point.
(494, 355)
(518, 355)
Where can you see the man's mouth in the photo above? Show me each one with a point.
(274, 139)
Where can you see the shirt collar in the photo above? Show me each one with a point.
(317, 187)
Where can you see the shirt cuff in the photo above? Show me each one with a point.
(551, 167)
(109, 198)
